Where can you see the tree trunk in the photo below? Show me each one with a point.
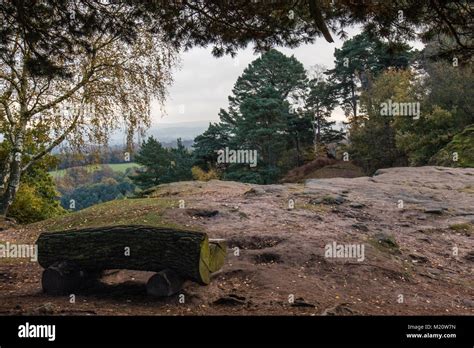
(65, 278)
(14, 178)
(129, 247)
(5, 174)
(164, 283)
(354, 100)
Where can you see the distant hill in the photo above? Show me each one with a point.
(116, 167)
(167, 133)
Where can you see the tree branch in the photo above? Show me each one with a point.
(316, 13)
(55, 143)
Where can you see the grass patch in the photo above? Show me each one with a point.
(172, 189)
(317, 208)
(143, 211)
(464, 228)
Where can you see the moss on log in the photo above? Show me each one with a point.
(218, 253)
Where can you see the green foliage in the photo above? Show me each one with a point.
(206, 146)
(447, 111)
(226, 26)
(372, 143)
(462, 145)
(161, 165)
(262, 127)
(87, 187)
(88, 195)
(261, 117)
(182, 162)
(359, 61)
(37, 198)
(445, 95)
(423, 139)
(321, 101)
(156, 162)
(285, 75)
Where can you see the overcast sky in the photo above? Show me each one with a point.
(203, 83)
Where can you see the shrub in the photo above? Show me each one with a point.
(202, 175)
(30, 206)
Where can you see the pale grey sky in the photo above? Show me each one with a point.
(203, 83)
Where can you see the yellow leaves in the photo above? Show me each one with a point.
(201, 175)
(391, 84)
(29, 206)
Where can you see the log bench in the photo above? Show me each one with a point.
(72, 258)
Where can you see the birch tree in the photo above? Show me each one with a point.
(105, 82)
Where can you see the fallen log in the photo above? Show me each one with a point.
(164, 283)
(135, 247)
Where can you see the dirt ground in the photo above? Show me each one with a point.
(416, 226)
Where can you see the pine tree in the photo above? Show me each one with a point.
(262, 116)
(261, 127)
(156, 162)
(358, 62)
(207, 144)
(320, 103)
(181, 162)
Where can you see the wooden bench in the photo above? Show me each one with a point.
(71, 258)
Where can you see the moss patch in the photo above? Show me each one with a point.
(464, 228)
(385, 243)
(463, 145)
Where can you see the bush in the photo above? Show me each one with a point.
(463, 145)
(37, 198)
(202, 175)
(30, 206)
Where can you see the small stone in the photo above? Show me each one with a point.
(360, 227)
(434, 210)
(470, 256)
(468, 303)
(357, 205)
(300, 302)
(230, 300)
(202, 212)
(46, 308)
(417, 258)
